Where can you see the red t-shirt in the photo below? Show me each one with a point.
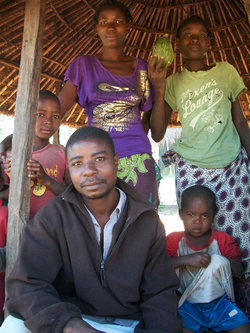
(227, 246)
(53, 160)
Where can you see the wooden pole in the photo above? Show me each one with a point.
(56, 136)
(247, 7)
(24, 124)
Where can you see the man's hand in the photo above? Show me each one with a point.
(199, 259)
(77, 325)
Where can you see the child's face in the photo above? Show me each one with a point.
(193, 41)
(48, 117)
(197, 216)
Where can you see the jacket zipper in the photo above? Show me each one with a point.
(103, 275)
(104, 282)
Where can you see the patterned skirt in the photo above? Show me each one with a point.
(138, 171)
(231, 186)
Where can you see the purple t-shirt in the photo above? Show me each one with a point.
(114, 103)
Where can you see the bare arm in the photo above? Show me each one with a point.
(198, 259)
(37, 172)
(67, 97)
(145, 120)
(241, 125)
(161, 112)
(236, 267)
(77, 325)
(159, 129)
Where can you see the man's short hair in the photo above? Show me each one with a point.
(90, 133)
(198, 191)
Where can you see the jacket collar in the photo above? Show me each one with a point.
(137, 202)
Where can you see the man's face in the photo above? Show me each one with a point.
(92, 167)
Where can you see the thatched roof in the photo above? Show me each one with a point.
(69, 32)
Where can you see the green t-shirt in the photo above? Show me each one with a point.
(203, 100)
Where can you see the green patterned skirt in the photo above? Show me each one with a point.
(139, 172)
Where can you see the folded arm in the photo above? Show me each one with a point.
(198, 259)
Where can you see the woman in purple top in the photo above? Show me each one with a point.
(113, 88)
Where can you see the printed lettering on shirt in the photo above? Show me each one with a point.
(207, 96)
(51, 172)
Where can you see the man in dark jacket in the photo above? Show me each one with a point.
(94, 258)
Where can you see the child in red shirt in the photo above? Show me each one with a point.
(47, 168)
(207, 260)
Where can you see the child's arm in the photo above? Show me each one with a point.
(236, 267)
(37, 172)
(198, 259)
(241, 125)
(161, 112)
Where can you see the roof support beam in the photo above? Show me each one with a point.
(24, 125)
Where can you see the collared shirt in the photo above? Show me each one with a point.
(108, 228)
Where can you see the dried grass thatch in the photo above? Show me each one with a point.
(69, 32)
